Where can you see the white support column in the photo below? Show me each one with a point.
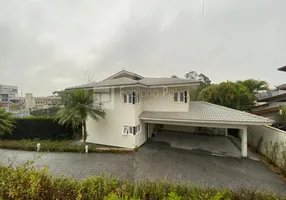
(148, 130)
(243, 137)
(226, 132)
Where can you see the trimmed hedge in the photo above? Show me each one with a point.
(26, 183)
(39, 128)
(57, 146)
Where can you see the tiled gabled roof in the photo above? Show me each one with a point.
(147, 82)
(200, 111)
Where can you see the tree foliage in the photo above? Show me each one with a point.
(174, 76)
(239, 95)
(193, 75)
(204, 82)
(6, 122)
(79, 105)
(49, 112)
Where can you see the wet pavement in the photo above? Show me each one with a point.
(154, 162)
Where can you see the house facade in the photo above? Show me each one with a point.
(269, 104)
(136, 106)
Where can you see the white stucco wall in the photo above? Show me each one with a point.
(268, 134)
(141, 137)
(108, 131)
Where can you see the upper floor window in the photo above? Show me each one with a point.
(131, 98)
(181, 97)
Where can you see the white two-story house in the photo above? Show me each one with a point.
(135, 105)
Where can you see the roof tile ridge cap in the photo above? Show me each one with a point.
(219, 106)
(226, 108)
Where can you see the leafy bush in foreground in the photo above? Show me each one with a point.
(25, 183)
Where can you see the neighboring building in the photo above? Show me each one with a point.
(8, 92)
(10, 101)
(36, 103)
(136, 106)
(268, 104)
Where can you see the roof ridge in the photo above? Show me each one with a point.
(123, 71)
(226, 108)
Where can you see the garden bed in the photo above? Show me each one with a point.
(58, 146)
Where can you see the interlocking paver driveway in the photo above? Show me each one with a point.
(153, 162)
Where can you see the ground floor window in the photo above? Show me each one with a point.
(131, 130)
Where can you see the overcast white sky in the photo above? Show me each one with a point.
(47, 45)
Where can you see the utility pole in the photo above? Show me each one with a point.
(203, 7)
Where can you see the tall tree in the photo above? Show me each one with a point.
(193, 75)
(239, 95)
(204, 82)
(209, 94)
(78, 106)
(6, 122)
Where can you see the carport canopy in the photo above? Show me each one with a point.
(203, 114)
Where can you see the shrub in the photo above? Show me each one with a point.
(276, 154)
(57, 146)
(24, 182)
(39, 127)
(46, 145)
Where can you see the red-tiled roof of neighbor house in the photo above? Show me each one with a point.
(265, 111)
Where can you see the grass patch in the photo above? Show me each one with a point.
(56, 146)
(24, 182)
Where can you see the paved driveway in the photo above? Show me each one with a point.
(153, 162)
(220, 145)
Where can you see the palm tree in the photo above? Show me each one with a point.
(79, 105)
(239, 95)
(254, 86)
(6, 122)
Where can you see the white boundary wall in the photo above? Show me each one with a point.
(269, 135)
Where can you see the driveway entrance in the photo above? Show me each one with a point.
(218, 145)
(156, 163)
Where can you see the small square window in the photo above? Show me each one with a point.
(125, 130)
